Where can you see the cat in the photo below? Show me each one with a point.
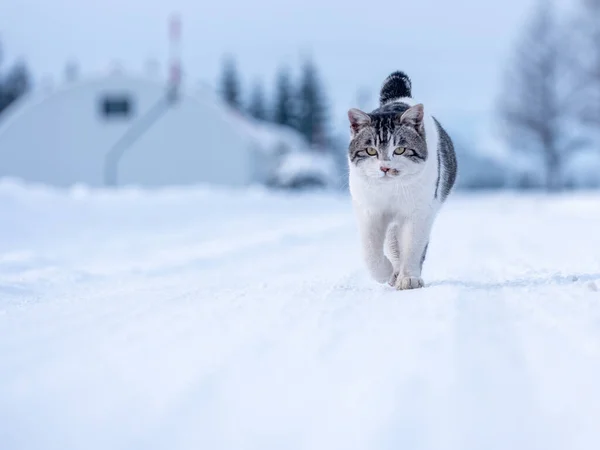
(402, 168)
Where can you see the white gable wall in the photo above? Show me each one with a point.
(192, 143)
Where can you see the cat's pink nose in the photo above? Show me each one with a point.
(384, 169)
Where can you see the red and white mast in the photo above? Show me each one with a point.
(174, 56)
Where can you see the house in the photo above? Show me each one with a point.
(118, 130)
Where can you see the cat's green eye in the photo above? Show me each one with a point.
(399, 150)
(371, 151)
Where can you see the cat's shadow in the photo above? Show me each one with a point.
(520, 282)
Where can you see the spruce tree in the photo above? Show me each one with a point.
(15, 84)
(283, 110)
(2, 93)
(230, 84)
(257, 107)
(311, 107)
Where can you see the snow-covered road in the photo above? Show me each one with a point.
(208, 319)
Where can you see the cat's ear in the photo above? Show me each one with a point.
(358, 119)
(413, 117)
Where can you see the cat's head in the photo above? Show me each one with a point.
(388, 143)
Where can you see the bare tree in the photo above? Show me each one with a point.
(585, 65)
(534, 108)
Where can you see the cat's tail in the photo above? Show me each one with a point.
(396, 86)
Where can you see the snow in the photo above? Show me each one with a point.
(228, 319)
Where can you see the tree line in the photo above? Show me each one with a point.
(300, 104)
(550, 103)
(15, 83)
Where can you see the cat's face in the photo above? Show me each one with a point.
(389, 143)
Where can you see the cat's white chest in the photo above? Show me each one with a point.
(389, 196)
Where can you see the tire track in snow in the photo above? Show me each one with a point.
(163, 314)
(207, 259)
(284, 314)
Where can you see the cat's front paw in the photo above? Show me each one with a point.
(404, 283)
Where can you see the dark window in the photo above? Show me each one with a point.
(116, 106)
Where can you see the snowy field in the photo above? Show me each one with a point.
(199, 319)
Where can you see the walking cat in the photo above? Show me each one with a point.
(402, 169)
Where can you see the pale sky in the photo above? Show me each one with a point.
(454, 51)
